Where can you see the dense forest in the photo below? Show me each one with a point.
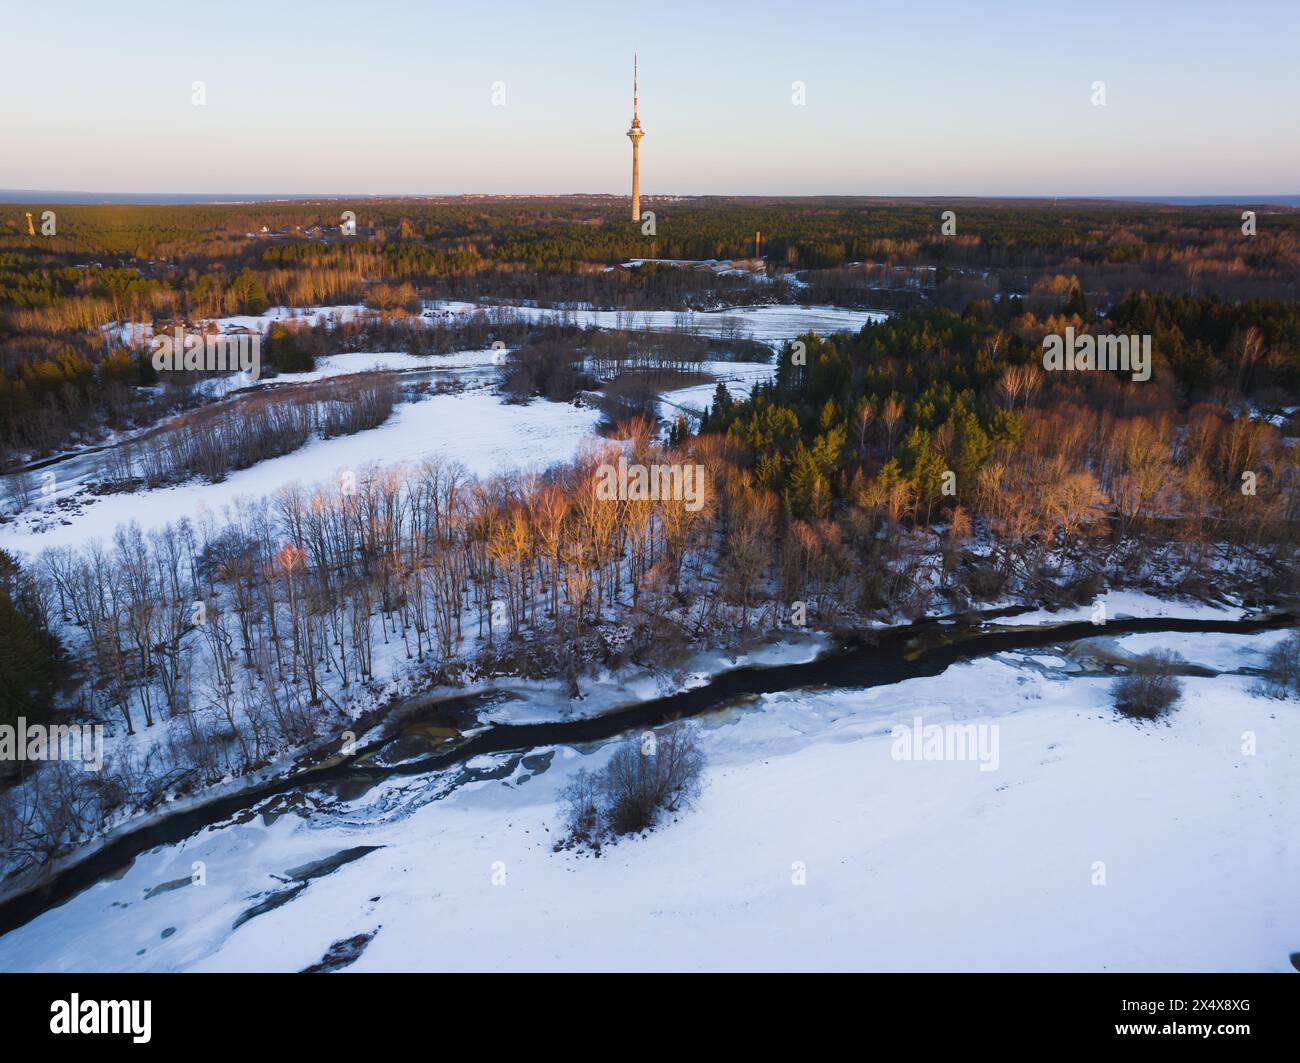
(930, 391)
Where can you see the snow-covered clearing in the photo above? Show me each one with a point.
(139, 333)
(739, 377)
(908, 865)
(478, 430)
(334, 365)
(475, 428)
(772, 325)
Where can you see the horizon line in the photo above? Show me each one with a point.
(164, 198)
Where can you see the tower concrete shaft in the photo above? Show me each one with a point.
(636, 175)
(634, 134)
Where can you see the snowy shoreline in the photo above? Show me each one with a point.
(544, 701)
(808, 828)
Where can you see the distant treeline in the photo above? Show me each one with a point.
(208, 259)
(65, 377)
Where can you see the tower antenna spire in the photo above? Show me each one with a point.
(634, 134)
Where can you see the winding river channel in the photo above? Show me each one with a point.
(876, 658)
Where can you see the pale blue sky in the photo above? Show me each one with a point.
(903, 98)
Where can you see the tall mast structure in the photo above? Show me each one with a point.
(634, 134)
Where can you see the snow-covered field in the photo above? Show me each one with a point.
(772, 325)
(475, 428)
(334, 365)
(905, 865)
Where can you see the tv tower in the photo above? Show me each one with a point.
(634, 134)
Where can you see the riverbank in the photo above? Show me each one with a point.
(891, 655)
(812, 847)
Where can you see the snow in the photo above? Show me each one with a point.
(1127, 604)
(909, 865)
(612, 690)
(334, 365)
(771, 324)
(139, 333)
(475, 428)
(479, 431)
(1222, 652)
(397, 361)
(739, 377)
